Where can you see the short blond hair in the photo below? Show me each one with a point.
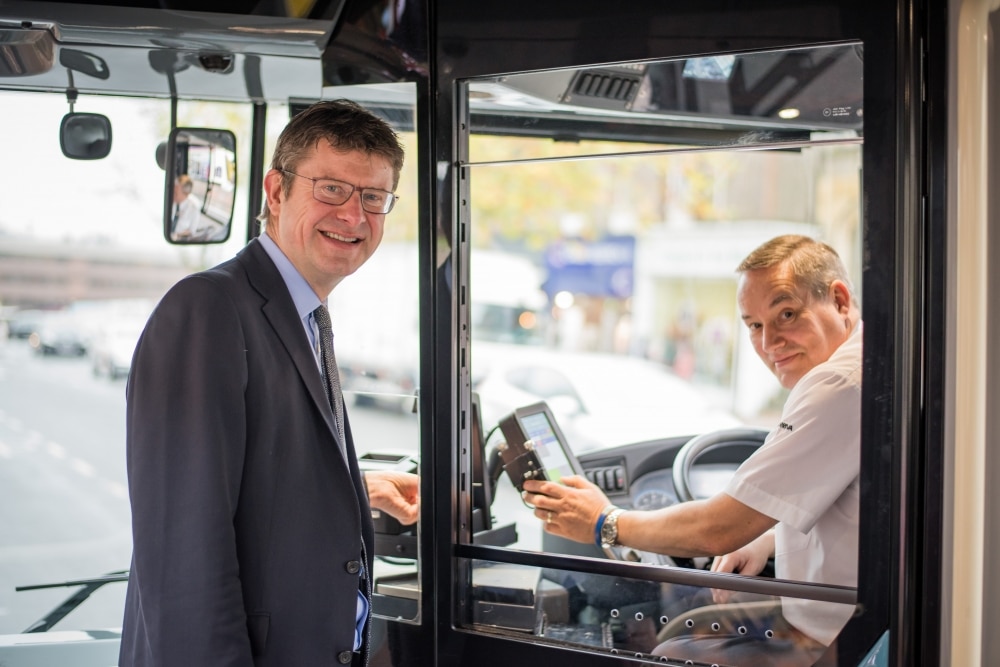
(813, 263)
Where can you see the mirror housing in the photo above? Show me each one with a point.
(85, 136)
(200, 185)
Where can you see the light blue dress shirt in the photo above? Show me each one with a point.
(306, 302)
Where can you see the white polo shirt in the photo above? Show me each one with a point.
(806, 476)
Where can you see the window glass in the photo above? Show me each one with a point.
(614, 228)
(632, 307)
(82, 263)
(636, 617)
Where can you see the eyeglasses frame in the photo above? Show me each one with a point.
(393, 197)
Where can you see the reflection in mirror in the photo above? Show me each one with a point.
(200, 185)
(25, 51)
(85, 136)
(84, 62)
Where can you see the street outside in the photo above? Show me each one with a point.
(63, 495)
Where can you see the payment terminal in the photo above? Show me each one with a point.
(535, 447)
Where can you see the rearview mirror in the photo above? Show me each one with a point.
(200, 186)
(85, 136)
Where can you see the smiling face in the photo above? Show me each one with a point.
(327, 243)
(792, 329)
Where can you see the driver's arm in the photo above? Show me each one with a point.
(710, 527)
(716, 525)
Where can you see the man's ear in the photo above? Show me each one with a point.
(273, 191)
(841, 296)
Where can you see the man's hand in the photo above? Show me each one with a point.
(750, 560)
(570, 508)
(396, 493)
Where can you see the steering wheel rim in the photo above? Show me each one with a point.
(704, 443)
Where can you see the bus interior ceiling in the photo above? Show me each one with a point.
(209, 54)
(261, 53)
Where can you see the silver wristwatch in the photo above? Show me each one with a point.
(609, 530)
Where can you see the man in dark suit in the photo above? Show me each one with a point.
(251, 520)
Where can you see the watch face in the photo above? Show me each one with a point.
(609, 532)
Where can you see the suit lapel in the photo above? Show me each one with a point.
(280, 312)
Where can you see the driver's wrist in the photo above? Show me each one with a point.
(601, 518)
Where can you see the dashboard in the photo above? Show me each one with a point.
(656, 489)
(640, 476)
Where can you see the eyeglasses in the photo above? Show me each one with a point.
(332, 191)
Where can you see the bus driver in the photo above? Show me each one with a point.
(796, 498)
(186, 220)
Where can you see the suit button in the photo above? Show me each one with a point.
(352, 567)
(344, 657)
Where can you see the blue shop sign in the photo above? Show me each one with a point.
(596, 268)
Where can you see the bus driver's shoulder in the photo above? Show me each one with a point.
(837, 380)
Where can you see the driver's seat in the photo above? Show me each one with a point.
(752, 632)
(728, 616)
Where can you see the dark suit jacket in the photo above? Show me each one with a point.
(248, 524)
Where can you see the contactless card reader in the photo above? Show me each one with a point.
(535, 447)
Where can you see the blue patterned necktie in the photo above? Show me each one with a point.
(332, 375)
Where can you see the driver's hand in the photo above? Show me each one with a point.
(750, 560)
(570, 508)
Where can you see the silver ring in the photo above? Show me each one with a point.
(548, 519)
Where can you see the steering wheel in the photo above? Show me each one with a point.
(707, 442)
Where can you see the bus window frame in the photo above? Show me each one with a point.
(892, 409)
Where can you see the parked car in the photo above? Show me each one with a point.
(22, 323)
(59, 333)
(600, 400)
(111, 353)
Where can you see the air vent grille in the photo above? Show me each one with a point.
(606, 86)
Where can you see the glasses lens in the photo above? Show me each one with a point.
(332, 192)
(377, 201)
